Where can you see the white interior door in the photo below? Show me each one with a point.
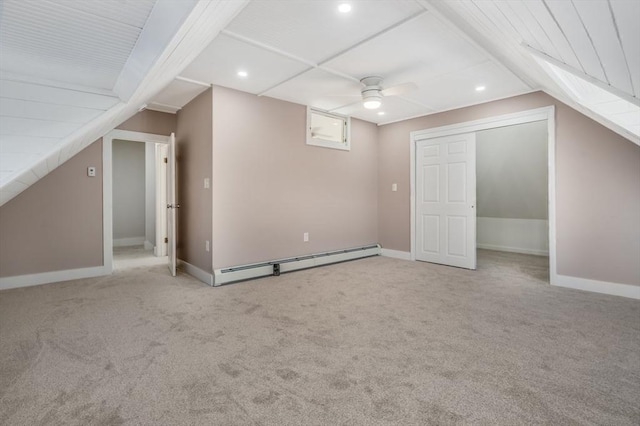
(162, 152)
(446, 200)
(172, 206)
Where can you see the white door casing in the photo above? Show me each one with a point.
(172, 206)
(107, 184)
(446, 200)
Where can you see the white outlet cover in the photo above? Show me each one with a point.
(91, 171)
(206, 183)
(394, 187)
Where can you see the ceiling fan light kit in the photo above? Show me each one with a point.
(371, 96)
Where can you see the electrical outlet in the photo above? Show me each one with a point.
(394, 187)
(206, 245)
(305, 237)
(206, 183)
(91, 171)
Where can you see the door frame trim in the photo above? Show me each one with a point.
(527, 116)
(107, 185)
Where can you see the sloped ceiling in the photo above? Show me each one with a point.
(71, 70)
(310, 53)
(596, 42)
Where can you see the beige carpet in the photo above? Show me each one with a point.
(377, 341)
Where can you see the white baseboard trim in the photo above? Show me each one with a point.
(194, 271)
(513, 249)
(51, 277)
(614, 289)
(396, 254)
(132, 241)
(149, 246)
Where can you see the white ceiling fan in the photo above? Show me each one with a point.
(372, 92)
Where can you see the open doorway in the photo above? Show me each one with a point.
(138, 228)
(512, 197)
(131, 249)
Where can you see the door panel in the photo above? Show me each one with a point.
(445, 200)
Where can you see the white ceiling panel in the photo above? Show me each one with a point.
(220, 62)
(319, 89)
(439, 50)
(393, 108)
(626, 16)
(130, 12)
(41, 111)
(459, 88)
(35, 33)
(597, 17)
(84, 74)
(10, 161)
(27, 144)
(31, 127)
(315, 30)
(557, 41)
(55, 95)
(573, 28)
(178, 93)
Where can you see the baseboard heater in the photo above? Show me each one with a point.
(276, 267)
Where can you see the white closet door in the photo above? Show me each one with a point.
(445, 200)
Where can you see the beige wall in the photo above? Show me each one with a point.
(597, 189)
(193, 151)
(270, 187)
(55, 224)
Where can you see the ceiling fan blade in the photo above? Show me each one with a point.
(399, 89)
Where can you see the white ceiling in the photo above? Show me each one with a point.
(59, 61)
(71, 70)
(597, 41)
(309, 53)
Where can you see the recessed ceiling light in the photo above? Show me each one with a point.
(344, 8)
(480, 88)
(242, 73)
(381, 113)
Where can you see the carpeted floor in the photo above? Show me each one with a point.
(377, 341)
(133, 256)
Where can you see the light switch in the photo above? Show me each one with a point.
(206, 183)
(91, 171)
(394, 187)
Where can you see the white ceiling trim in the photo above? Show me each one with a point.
(601, 84)
(192, 81)
(164, 20)
(199, 29)
(157, 106)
